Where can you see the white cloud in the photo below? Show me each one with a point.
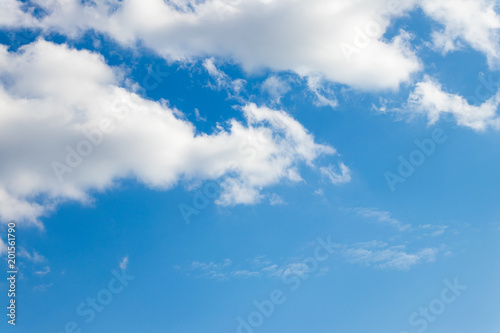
(42, 287)
(198, 116)
(260, 266)
(307, 37)
(3, 247)
(430, 99)
(222, 80)
(433, 230)
(394, 257)
(276, 200)
(381, 217)
(35, 257)
(337, 175)
(375, 254)
(474, 22)
(43, 272)
(12, 15)
(314, 84)
(49, 103)
(211, 270)
(246, 274)
(124, 263)
(275, 87)
(303, 37)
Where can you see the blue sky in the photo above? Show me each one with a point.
(241, 173)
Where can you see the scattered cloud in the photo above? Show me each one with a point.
(198, 116)
(276, 200)
(211, 270)
(42, 288)
(471, 22)
(275, 87)
(222, 80)
(394, 257)
(35, 257)
(337, 175)
(432, 230)
(45, 271)
(376, 254)
(430, 99)
(124, 263)
(319, 192)
(381, 217)
(324, 97)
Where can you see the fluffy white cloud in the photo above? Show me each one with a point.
(67, 127)
(308, 37)
(12, 15)
(474, 22)
(341, 41)
(430, 99)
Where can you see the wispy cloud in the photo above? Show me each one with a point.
(432, 230)
(42, 287)
(275, 200)
(45, 271)
(381, 217)
(35, 257)
(124, 263)
(211, 270)
(375, 254)
(222, 80)
(275, 87)
(337, 175)
(324, 97)
(395, 257)
(256, 267)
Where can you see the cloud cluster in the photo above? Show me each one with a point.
(301, 36)
(68, 126)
